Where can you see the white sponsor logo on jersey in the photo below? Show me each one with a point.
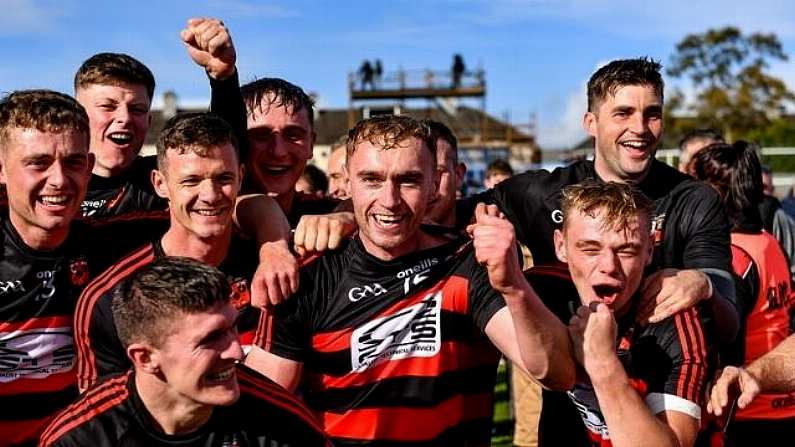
(11, 287)
(358, 293)
(411, 332)
(35, 353)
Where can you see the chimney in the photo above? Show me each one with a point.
(169, 104)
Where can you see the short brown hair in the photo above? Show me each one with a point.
(388, 131)
(146, 303)
(618, 203)
(196, 132)
(620, 73)
(114, 69)
(43, 110)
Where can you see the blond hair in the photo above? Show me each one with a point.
(618, 204)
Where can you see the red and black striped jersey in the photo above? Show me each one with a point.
(38, 292)
(666, 363)
(111, 413)
(100, 352)
(394, 351)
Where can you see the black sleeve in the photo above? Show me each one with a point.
(705, 231)
(484, 301)
(465, 208)
(226, 101)
(290, 335)
(110, 357)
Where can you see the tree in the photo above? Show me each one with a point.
(728, 71)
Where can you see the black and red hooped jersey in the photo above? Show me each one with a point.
(100, 352)
(129, 195)
(38, 292)
(394, 350)
(666, 363)
(111, 413)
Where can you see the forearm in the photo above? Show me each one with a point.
(260, 218)
(543, 341)
(627, 416)
(775, 371)
(723, 305)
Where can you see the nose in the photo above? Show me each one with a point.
(56, 176)
(279, 146)
(390, 195)
(209, 191)
(233, 350)
(122, 115)
(609, 263)
(638, 123)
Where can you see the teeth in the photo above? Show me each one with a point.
(208, 212)
(277, 169)
(382, 218)
(221, 376)
(634, 144)
(121, 138)
(54, 200)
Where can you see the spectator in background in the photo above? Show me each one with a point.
(767, 181)
(497, 171)
(337, 177)
(313, 181)
(788, 204)
(735, 172)
(694, 141)
(378, 71)
(457, 70)
(452, 174)
(366, 75)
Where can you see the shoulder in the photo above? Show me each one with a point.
(95, 404)
(117, 272)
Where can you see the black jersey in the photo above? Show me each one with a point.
(394, 350)
(666, 363)
(308, 204)
(39, 291)
(100, 352)
(112, 414)
(129, 194)
(690, 224)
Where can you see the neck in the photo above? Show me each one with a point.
(38, 238)
(211, 251)
(420, 241)
(170, 413)
(285, 201)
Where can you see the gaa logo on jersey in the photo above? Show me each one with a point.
(414, 331)
(357, 293)
(78, 272)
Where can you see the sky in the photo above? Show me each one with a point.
(537, 54)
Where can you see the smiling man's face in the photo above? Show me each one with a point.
(606, 263)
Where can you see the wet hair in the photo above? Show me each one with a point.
(146, 304)
(499, 166)
(265, 93)
(43, 110)
(618, 204)
(440, 131)
(620, 73)
(197, 132)
(389, 131)
(735, 172)
(114, 69)
(316, 178)
(703, 133)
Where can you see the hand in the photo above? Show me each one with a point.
(320, 233)
(209, 45)
(593, 331)
(730, 379)
(669, 291)
(276, 277)
(495, 247)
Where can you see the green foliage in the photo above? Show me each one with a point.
(728, 72)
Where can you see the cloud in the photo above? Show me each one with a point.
(565, 130)
(31, 17)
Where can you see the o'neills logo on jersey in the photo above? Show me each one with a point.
(411, 332)
(36, 353)
(425, 264)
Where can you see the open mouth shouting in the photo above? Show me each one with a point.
(607, 293)
(221, 377)
(121, 138)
